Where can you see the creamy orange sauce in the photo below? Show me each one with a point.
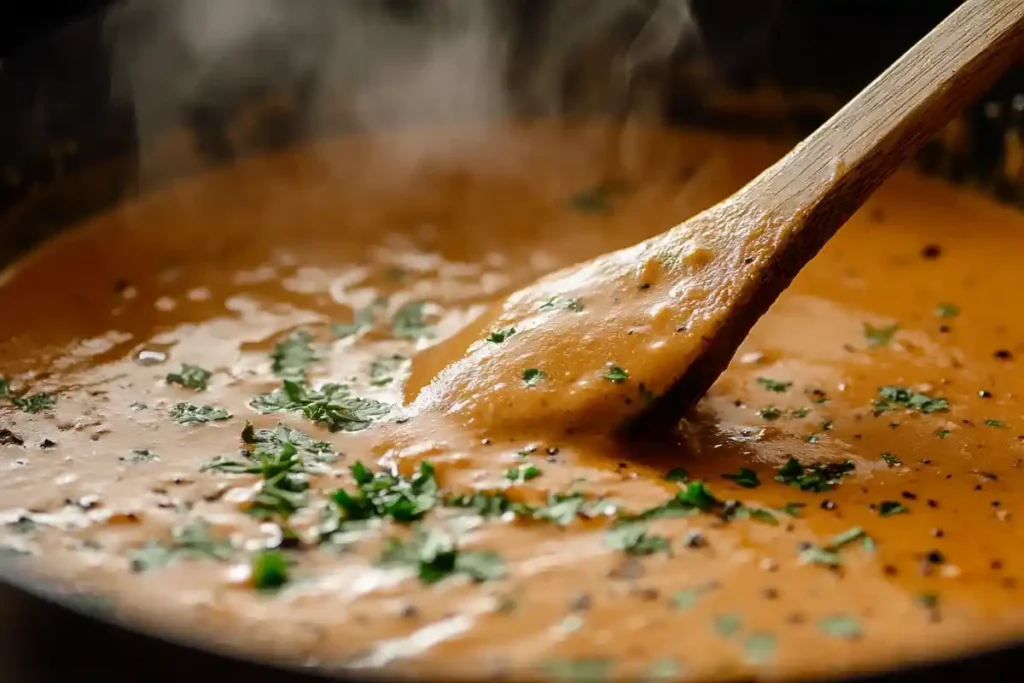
(216, 271)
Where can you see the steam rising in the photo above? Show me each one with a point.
(369, 63)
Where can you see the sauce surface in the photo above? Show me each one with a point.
(845, 498)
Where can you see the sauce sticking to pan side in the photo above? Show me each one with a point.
(202, 423)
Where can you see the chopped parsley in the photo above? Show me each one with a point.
(533, 376)
(293, 356)
(522, 473)
(800, 413)
(382, 370)
(140, 455)
(891, 460)
(410, 323)
(816, 477)
(756, 514)
(694, 496)
(435, 556)
(33, 403)
(384, 495)
(677, 474)
(892, 397)
(361, 320)
(191, 377)
(561, 302)
(888, 508)
(879, 336)
(488, 504)
(616, 374)
(840, 626)
(270, 452)
(759, 647)
(596, 199)
(685, 599)
(578, 670)
(269, 569)
(332, 405)
(774, 384)
(947, 310)
(189, 542)
(631, 536)
(727, 625)
(942, 433)
(792, 509)
(746, 478)
(500, 336)
(770, 413)
(995, 423)
(191, 414)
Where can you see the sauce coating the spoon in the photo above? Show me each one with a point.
(845, 498)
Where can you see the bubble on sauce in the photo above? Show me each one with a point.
(150, 357)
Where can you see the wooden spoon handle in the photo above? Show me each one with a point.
(828, 176)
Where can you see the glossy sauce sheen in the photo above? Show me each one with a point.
(215, 271)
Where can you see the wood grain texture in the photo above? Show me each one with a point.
(810, 193)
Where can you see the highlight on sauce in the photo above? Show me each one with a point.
(207, 422)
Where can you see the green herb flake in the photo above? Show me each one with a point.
(632, 537)
(888, 508)
(409, 322)
(800, 413)
(947, 310)
(662, 669)
(578, 670)
(435, 556)
(677, 474)
(292, 357)
(770, 413)
(140, 455)
(616, 374)
(759, 647)
(727, 625)
(774, 384)
(822, 556)
(191, 377)
(891, 397)
(269, 569)
(382, 370)
(562, 303)
(686, 599)
(361, 319)
(995, 423)
(332, 405)
(756, 514)
(792, 509)
(816, 477)
(33, 403)
(533, 376)
(384, 495)
(928, 600)
(942, 433)
(840, 626)
(891, 460)
(879, 336)
(500, 336)
(191, 414)
(5, 387)
(845, 538)
(522, 473)
(189, 542)
(746, 478)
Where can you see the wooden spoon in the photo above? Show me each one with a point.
(592, 346)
